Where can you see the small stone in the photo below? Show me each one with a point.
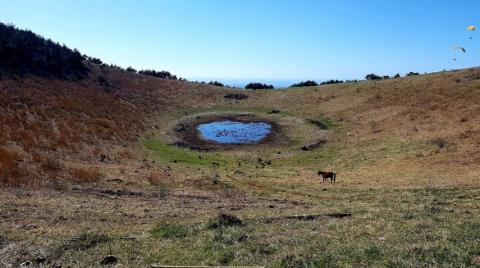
(476, 260)
(40, 260)
(26, 264)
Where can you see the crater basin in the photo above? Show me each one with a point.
(234, 132)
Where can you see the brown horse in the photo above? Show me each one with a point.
(328, 175)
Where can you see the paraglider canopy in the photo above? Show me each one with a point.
(459, 48)
(471, 28)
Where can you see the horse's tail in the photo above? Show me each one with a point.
(334, 176)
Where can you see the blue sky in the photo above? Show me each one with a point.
(253, 39)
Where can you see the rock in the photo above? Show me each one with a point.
(26, 264)
(476, 260)
(109, 260)
(314, 145)
(317, 123)
(236, 96)
(40, 260)
(182, 127)
(26, 226)
(274, 111)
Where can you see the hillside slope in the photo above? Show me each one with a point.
(89, 168)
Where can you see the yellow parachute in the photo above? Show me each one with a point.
(471, 28)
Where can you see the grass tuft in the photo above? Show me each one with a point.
(170, 230)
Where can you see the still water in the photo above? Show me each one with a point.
(234, 132)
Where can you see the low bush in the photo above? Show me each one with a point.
(216, 83)
(256, 86)
(373, 77)
(308, 83)
(332, 82)
(412, 74)
(224, 220)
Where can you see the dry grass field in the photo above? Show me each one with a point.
(405, 150)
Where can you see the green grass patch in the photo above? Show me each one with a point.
(172, 153)
(170, 230)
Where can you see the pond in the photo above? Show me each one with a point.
(234, 132)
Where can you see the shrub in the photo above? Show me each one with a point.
(131, 70)
(397, 76)
(224, 220)
(373, 77)
(256, 86)
(91, 174)
(161, 74)
(411, 74)
(308, 83)
(331, 82)
(439, 142)
(216, 83)
(93, 60)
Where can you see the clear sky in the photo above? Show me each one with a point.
(261, 39)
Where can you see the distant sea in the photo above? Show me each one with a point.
(241, 83)
(277, 83)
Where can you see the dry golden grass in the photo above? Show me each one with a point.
(86, 174)
(155, 178)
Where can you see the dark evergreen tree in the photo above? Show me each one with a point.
(256, 86)
(373, 77)
(308, 83)
(24, 52)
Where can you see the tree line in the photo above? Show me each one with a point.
(24, 52)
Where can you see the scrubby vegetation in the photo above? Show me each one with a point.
(255, 86)
(373, 77)
(161, 74)
(412, 74)
(308, 83)
(216, 83)
(333, 81)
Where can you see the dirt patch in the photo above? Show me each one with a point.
(189, 137)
